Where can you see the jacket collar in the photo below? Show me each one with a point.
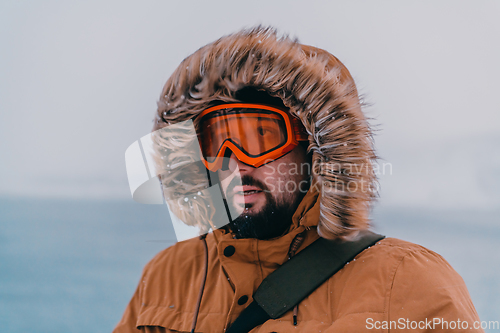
(275, 251)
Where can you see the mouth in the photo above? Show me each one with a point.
(246, 190)
(246, 194)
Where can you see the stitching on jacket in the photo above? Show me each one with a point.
(387, 299)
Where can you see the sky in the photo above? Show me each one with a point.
(79, 82)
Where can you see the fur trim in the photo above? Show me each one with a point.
(319, 91)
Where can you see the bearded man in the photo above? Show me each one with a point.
(280, 126)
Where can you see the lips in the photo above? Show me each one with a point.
(246, 190)
(246, 194)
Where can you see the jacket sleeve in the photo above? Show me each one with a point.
(429, 295)
(129, 319)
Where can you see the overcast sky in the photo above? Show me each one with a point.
(79, 83)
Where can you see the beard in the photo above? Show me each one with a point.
(272, 221)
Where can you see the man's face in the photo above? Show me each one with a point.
(269, 195)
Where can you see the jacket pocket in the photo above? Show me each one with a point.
(158, 319)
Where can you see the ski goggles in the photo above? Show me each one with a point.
(256, 134)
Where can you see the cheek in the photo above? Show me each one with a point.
(268, 170)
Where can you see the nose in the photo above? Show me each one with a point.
(235, 163)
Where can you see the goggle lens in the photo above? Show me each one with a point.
(254, 132)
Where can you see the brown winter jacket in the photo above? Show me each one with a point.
(391, 281)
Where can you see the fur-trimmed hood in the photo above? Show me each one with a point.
(315, 86)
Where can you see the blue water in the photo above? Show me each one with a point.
(72, 266)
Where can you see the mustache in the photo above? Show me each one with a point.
(246, 180)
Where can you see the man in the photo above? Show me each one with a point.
(281, 127)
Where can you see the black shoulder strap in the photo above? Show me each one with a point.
(297, 278)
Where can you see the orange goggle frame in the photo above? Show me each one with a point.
(255, 133)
